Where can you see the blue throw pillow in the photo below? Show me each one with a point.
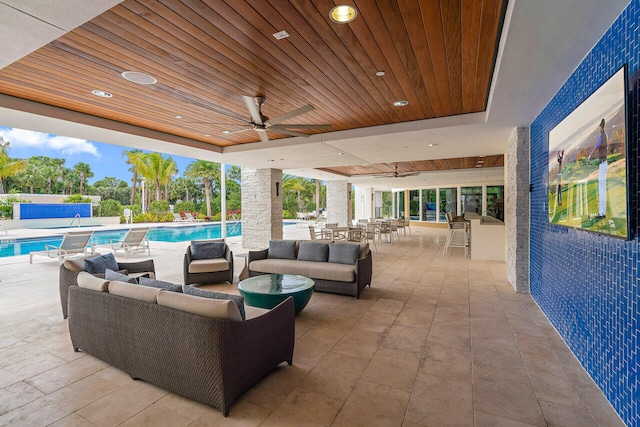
(282, 249)
(207, 250)
(145, 281)
(100, 264)
(238, 299)
(344, 253)
(115, 275)
(313, 251)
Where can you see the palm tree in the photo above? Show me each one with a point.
(159, 171)
(8, 166)
(83, 171)
(135, 159)
(208, 172)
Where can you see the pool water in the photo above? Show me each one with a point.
(14, 247)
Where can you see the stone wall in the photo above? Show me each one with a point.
(261, 207)
(517, 209)
(338, 202)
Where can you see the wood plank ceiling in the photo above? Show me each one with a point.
(437, 55)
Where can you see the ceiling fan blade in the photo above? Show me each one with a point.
(290, 114)
(253, 109)
(294, 126)
(228, 132)
(263, 136)
(404, 174)
(288, 132)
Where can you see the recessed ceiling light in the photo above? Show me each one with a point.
(139, 78)
(178, 117)
(102, 93)
(340, 154)
(380, 73)
(342, 14)
(226, 132)
(402, 103)
(432, 145)
(281, 35)
(207, 135)
(270, 160)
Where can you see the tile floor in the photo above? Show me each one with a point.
(436, 341)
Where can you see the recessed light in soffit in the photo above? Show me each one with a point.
(101, 93)
(343, 13)
(139, 78)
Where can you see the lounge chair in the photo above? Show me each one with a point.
(190, 218)
(178, 218)
(73, 243)
(135, 240)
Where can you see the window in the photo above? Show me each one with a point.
(448, 202)
(495, 201)
(414, 204)
(429, 204)
(471, 200)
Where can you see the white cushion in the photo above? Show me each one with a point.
(89, 281)
(208, 265)
(209, 307)
(129, 290)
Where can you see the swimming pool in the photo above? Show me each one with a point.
(23, 246)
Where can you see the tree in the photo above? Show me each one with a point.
(8, 167)
(111, 188)
(159, 170)
(83, 171)
(206, 172)
(135, 159)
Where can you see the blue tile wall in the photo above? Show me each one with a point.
(54, 210)
(588, 284)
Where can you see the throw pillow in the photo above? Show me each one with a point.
(89, 281)
(282, 249)
(115, 275)
(313, 251)
(238, 299)
(145, 281)
(344, 253)
(207, 250)
(99, 264)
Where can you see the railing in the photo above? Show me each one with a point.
(74, 219)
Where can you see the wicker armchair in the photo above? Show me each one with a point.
(208, 272)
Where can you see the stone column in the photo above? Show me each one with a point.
(517, 196)
(339, 202)
(261, 207)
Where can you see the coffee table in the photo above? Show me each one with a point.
(269, 290)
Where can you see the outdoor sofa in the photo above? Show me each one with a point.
(340, 268)
(70, 269)
(197, 347)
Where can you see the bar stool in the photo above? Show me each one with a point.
(458, 236)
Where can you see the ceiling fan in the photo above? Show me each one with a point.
(395, 174)
(262, 124)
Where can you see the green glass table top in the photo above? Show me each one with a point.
(276, 284)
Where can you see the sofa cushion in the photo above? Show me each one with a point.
(344, 253)
(77, 264)
(282, 249)
(313, 251)
(99, 264)
(207, 249)
(209, 307)
(115, 275)
(208, 265)
(154, 283)
(314, 270)
(238, 299)
(129, 290)
(253, 312)
(89, 281)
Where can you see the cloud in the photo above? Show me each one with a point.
(46, 142)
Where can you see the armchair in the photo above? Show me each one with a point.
(208, 261)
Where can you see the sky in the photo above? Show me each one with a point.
(104, 159)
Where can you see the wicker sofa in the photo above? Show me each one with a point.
(210, 360)
(70, 268)
(330, 265)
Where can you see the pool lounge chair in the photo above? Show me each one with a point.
(134, 241)
(178, 218)
(190, 218)
(73, 243)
